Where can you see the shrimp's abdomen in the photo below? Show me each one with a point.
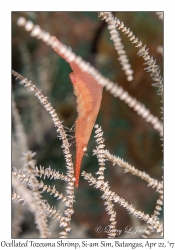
(88, 104)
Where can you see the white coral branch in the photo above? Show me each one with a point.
(35, 207)
(152, 67)
(62, 136)
(108, 194)
(112, 87)
(128, 168)
(119, 46)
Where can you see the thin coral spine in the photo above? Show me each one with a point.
(65, 143)
(41, 220)
(152, 67)
(119, 47)
(128, 168)
(111, 232)
(103, 186)
(112, 87)
(57, 122)
(19, 130)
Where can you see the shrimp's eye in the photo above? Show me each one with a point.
(84, 148)
(73, 78)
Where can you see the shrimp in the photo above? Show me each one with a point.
(89, 94)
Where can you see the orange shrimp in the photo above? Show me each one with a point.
(89, 95)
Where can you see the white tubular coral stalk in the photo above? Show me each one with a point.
(19, 130)
(108, 194)
(152, 67)
(51, 174)
(119, 46)
(57, 122)
(65, 144)
(101, 160)
(110, 86)
(128, 168)
(29, 166)
(27, 198)
(35, 205)
(156, 212)
(100, 151)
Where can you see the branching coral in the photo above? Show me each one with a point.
(33, 182)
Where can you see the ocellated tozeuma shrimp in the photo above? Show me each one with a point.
(89, 94)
